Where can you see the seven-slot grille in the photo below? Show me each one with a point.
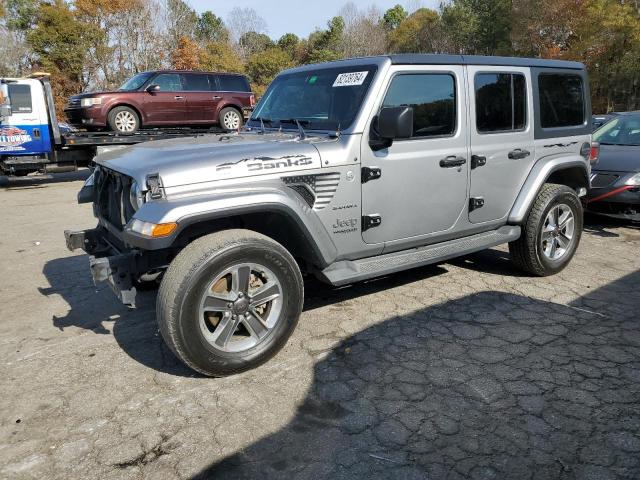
(112, 197)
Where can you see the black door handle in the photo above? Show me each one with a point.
(518, 153)
(452, 161)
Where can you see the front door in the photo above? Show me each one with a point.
(502, 144)
(168, 105)
(26, 131)
(422, 188)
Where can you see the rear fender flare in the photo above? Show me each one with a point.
(540, 173)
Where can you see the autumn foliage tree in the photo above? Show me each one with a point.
(186, 56)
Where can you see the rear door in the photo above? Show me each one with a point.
(422, 187)
(201, 100)
(502, 138)
(167, 106)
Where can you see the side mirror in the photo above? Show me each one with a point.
(153, 89)
(391, 123)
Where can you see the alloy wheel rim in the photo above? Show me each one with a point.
(125, 122)
(231, 120)
(558, 232)
(240, 307)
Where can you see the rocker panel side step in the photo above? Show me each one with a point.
(350, 271)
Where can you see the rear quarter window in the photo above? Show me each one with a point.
(562, 102)
(233, 83)
(20, 98)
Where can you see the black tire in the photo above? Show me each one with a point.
(527, 252)
(230, 118)
(117, 124)
(188, 278)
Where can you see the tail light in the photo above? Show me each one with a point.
(590, 151)
(594, 152)
(252, 100)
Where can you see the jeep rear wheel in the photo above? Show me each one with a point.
(551, 233)
(229, 301)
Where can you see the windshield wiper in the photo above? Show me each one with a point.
(296, 121)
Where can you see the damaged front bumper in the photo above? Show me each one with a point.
(107, 263)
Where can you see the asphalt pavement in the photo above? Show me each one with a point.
(468, 369)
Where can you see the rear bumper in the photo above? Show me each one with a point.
(106, 263)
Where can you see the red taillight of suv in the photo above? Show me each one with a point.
(252, 99)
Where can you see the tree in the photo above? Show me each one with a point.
(186, 56)
(220, 56)
(289, 42)
(254, 42)
(241, 21)
(393, 17)
(363, 33)
(262, 67)
(210, 28)
(479, 26)
(325, 45)
(59, 42)
(181, 21)
(419, 32)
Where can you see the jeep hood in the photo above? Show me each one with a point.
(204, 158)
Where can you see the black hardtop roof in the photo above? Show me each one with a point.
(438, 59)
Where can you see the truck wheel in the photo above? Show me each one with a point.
(230, 118)
(551, 233)
(123, 120)
(229, 301)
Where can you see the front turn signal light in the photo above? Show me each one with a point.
(154, 230)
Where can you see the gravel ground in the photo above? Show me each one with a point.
(463, 370)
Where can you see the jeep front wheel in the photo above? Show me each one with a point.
(229, 301)
(551, 233)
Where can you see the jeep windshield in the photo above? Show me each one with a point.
(323, 99)
(135, 82)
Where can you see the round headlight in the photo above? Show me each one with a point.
(136, 197)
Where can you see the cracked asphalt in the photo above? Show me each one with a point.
(462, 370)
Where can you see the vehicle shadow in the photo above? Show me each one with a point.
(491, 385)
(41, 180)
(95, 308)
(602, 226)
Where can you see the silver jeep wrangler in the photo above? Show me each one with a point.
(346, 170)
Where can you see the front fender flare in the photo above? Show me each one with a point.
(538, 175)
(223, 203)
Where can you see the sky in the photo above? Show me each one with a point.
(298, 16)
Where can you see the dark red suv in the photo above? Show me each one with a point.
(165, 98)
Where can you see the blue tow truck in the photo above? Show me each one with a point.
(32, 140)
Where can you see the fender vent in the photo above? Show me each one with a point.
(316, 190)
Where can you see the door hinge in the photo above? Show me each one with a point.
(370, 221)
(370, 173)
(475, 203)
(478, 161)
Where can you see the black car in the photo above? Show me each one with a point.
(615, 177)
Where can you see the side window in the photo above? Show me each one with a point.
(433, 98)
(233, 83)
(195, 82)
(168, 82)
(20, 98)
(501, 102)
(561, 100)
